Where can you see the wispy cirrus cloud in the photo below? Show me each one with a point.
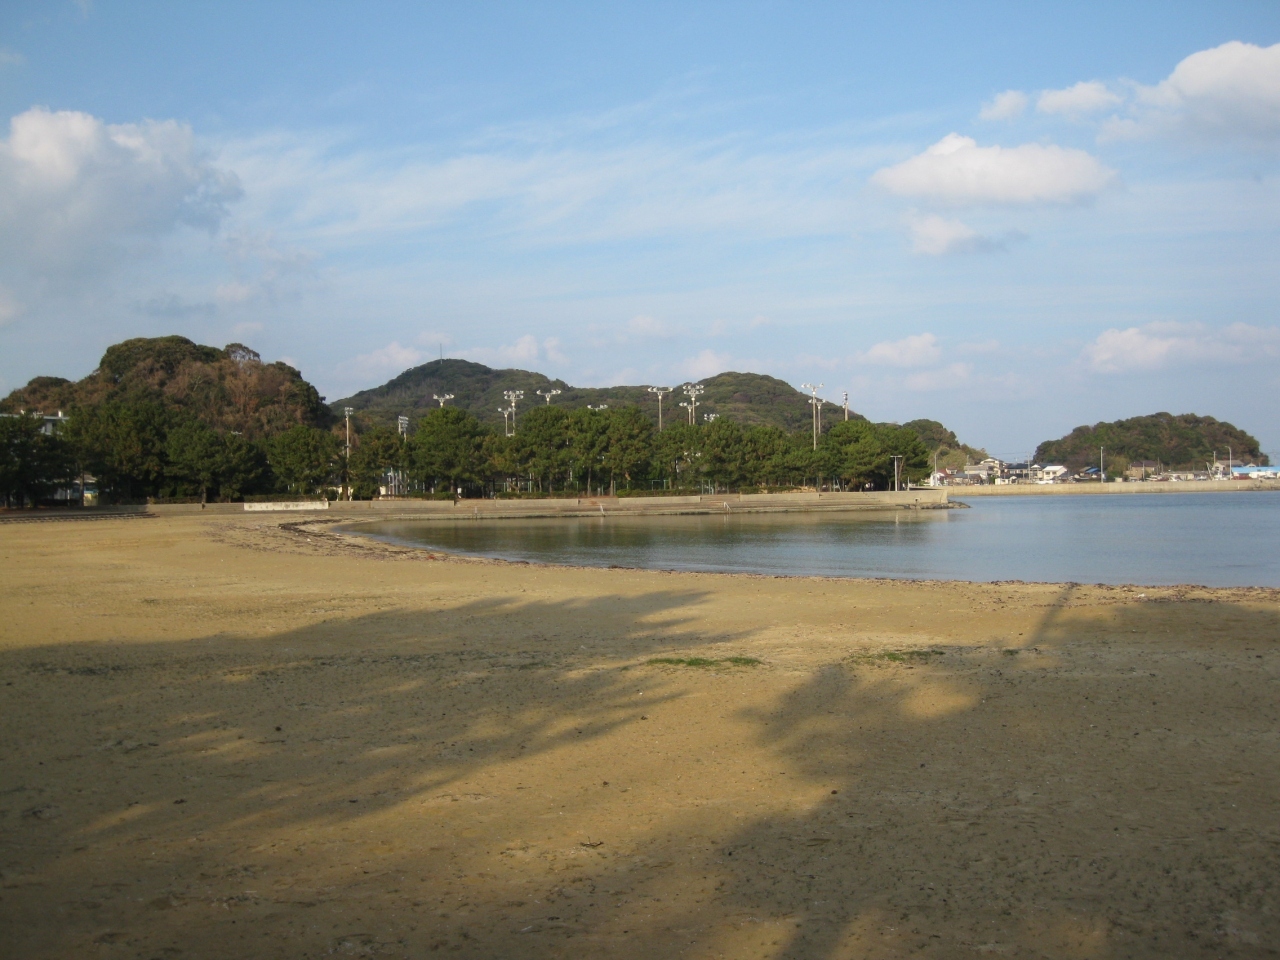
(917, 350)
(1164, 344)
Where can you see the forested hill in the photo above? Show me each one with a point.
(747, 398)
(227, 389)
(1185, 440)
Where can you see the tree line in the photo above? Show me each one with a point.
(140, 447)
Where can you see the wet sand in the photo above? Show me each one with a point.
(249, 738)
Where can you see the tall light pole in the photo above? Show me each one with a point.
(710, 417)
(1102, 464)
(846, 404)
(598, 407)
(441, 397)
(346, 480)
(513, 396)
(506, 420)
(897, 460)
(547, 395)
(660, 391)
(693, 391)
(688, 408)
(402, 424)
(814, 388)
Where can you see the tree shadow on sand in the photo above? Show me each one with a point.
(419, 781)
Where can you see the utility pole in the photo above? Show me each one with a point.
(897, 460)
(660, 391)
(346, 481)
(814, 388)
(547, 395)
(1102, 464)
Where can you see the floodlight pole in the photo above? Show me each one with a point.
(547, 395)
(846, 404)
(897, 459)
(512, 397)
(693, 391)
(442, 397)
(710, 417)
(346, 479)
(598, 407)
(814, 388)
(660, 391)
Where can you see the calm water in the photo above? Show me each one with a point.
(1211, 539)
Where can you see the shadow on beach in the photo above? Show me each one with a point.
(518, 779)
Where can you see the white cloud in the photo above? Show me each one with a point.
(10, 309)
(1163, 344)
(383, 363)
(956, 170)
(918, 350)
(1230, 91)
(551, 347)
(524, 351)
(1087, 96)
(11, 58)
(74, 190)
(929, 380)
(706, 364)
(936, 236)
(642, 326)
(1004, 106)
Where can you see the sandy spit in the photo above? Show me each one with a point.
(254, 738)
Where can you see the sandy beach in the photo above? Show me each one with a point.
(249, 737)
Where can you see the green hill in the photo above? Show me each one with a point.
(1185, 440)
(229, 389)
(747, 398)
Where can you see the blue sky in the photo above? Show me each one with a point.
(1013, 219)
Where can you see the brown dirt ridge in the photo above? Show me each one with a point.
(245, 737)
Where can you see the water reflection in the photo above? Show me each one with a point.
(1210, 539)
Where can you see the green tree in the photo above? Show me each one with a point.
(630, 438)
(122, 442)
(195, 454)
(543, 444)
(724, 454)
(862, 453)
(32, 463)
(677, 453)
(243, 467)
(448, 444)
(304, 458)
(588, 442)
(376, 451)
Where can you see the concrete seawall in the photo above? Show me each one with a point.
(547, 507)
(1073, 489)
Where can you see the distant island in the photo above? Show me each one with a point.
(1163, 440)
(168, 418)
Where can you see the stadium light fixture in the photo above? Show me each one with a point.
(660, 391)
(547, 395)
(513, 397)
(442, 397)
(814, 388)
(693, 391)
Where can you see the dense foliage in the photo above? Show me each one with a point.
(748, 398)
(1185, 440)
(168, 418)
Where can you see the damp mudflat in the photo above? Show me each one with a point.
(1212, 539)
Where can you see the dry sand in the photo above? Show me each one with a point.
(237, 738)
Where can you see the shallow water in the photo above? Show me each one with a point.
(1230, 539)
